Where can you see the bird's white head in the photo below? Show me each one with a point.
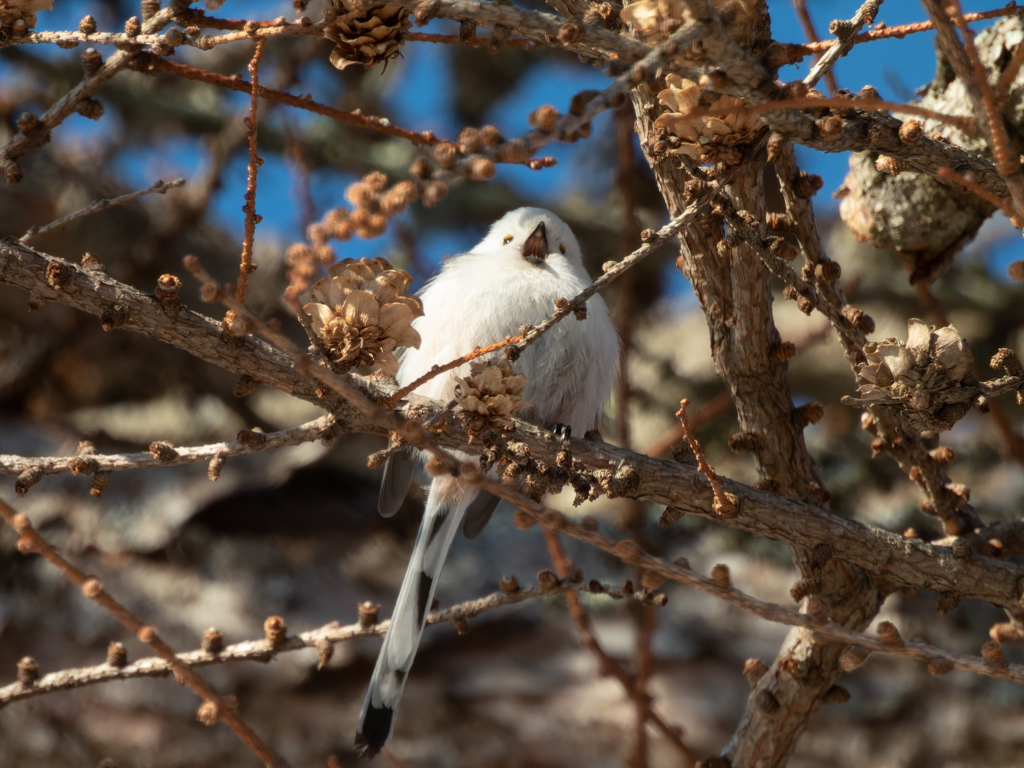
(535, 235)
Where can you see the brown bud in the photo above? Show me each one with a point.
(491, 136)
(163, 451)
(132, 27)
(828, 270)
(27, 479)
(569, 34)
(28, 671)
(911, 132)
(251, 438)
(993, 654)
(91, 262)
(890, 165)
(754, 670)
(785, 351)
(100, 482)
(720, 575)
(92, 60)
(836, 695)
(208, 712)
(117, 654)
(809, 413)
(166, 292)
(446, 154)
(434, 192)
(889, 634)
(481, 169)
(275, 630)
(544, 118)
(939, 667)
(57, 274)
(212, 641)
(324, 652)
(215, 466)
(92, 588)
(87, 25)
(548, 580)
(510, 585)
(147, 635)
(368, 613)
(830, 128)
(90, 109)
(807, 185)
(420, 168)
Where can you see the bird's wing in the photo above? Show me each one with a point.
(394, 487)
(446, 504)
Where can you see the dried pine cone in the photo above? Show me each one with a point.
(654, 20)
(491, 394)
(705, 139)
(366, 36)
(929, 378)
(362, 313)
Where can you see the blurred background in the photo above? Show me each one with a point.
(294, 532)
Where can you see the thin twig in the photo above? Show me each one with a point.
(948, 174)
(899, 32)
(263, 650)
(254, 442)
(30, 541)
(724, 506)
(23, 142)
(846, 33)
(150, 64)
(804, 17)
(436, 370)
(34, 233)
(246, 267)
(709, 410)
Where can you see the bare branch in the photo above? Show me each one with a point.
(34, 233)
(264, 650)
(30, 541)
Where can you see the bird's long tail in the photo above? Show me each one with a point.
(446, 504)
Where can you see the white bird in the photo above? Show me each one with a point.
(528, 259)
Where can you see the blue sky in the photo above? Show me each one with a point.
(418, 93)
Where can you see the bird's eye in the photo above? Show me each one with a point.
(507, 240)
(562, 247)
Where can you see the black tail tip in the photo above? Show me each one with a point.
(374, 731)
(365, 749)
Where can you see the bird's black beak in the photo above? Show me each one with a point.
(536, 246)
